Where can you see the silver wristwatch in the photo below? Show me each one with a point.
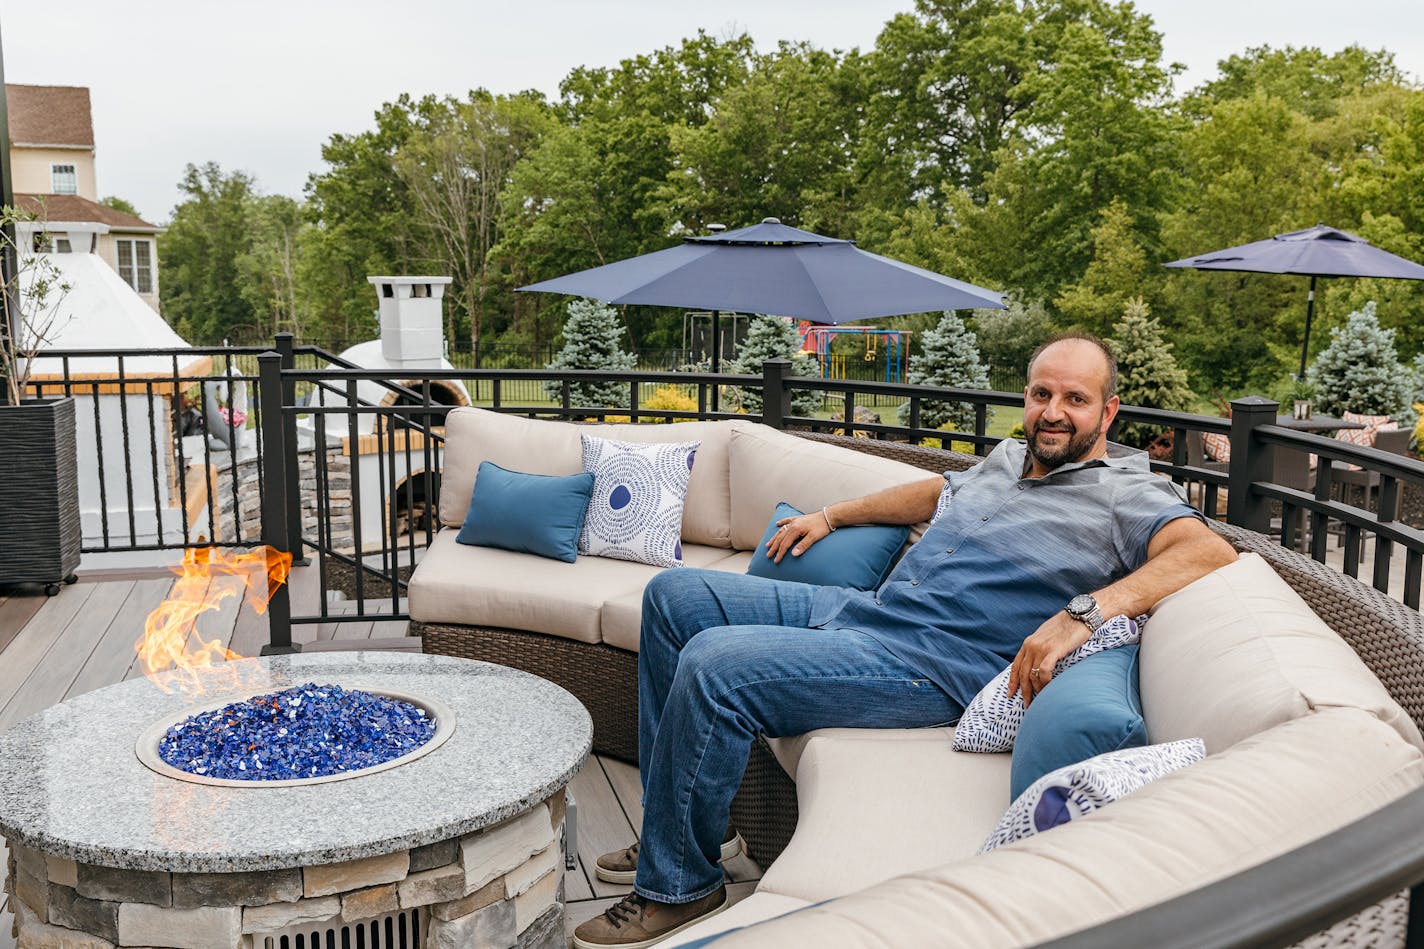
(1083, 607)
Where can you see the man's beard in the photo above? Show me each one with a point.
(1075, 449)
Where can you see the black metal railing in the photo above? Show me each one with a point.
(165, 444)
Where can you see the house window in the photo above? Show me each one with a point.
(136, 263)
(64, 179)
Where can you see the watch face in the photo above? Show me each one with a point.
(1081, 605)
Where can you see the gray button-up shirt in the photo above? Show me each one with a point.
(1006, 554)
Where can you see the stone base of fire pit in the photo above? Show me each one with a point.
(462, 847)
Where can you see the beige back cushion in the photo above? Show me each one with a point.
(541, 446)
(1239, 651)
(768, 466)
(519, 444)
(1263, 797)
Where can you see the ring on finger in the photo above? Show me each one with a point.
(1033, 673)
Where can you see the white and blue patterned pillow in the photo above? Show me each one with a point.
(946, 495)
(638, 492)
(991, 720)
(1079, 789)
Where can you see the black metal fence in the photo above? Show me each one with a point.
(383, 439)
(167, 441)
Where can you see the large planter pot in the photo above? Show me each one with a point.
(39, 493)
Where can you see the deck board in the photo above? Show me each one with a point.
(61, 665)
(28, 650)
(15, 612)
(602, 824)
(114, 654)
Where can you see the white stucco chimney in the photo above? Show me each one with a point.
(412, 330)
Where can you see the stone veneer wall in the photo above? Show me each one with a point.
(501, 887)
(249, 498)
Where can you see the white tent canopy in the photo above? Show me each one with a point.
(100, 311)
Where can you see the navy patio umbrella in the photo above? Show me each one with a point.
(772, 268)
(1317, 251)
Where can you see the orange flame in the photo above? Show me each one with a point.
(201, 587)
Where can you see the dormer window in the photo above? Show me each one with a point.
(64, 179)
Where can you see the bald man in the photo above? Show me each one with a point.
(1044, 541)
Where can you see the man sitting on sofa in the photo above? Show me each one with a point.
(1041, 544)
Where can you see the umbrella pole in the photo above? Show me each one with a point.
(716, 345)
(1309, 312)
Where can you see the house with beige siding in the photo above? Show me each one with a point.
(52, 161)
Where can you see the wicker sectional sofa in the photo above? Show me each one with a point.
(1305, 685)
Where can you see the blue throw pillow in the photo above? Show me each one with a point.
(529, 513)
(857, 557)
(1088, 709)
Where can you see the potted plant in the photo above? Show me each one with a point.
(39, 492)
(1301, 393)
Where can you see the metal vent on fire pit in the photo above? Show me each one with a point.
(404, 929)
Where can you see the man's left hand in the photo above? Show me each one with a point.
(1033, 666)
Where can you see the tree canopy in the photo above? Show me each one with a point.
(1037, 147)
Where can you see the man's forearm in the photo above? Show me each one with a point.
(903, 504)
(1187, 550)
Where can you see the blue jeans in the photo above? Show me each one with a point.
(724, 657)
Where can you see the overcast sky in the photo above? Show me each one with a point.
(260, 85)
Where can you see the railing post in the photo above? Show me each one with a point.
(1250, 462)
(286, 349)
(274, 498)
(775, 396)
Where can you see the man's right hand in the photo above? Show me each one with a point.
(796, 535)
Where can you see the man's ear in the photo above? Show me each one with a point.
(1110, 412)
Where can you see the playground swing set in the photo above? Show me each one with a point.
(816, 340)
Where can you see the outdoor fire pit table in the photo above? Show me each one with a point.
(460, 846)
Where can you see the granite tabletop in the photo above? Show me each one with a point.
(72, 785)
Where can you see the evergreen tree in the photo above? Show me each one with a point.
(769, 337)
(592, 336)
(949, 356)
(1147, 373)
(1359, 371)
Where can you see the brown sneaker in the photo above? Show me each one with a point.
(621, 866)
(634, 922)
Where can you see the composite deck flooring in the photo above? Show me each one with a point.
(53, 648)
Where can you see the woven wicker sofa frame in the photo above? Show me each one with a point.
(1388, 636)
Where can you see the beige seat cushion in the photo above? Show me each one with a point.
(1269, 794)
(483, 586)
(874, 805)
(768, 466)
(1239, 651)
(541, 446)
(623, 614)
(754, 909)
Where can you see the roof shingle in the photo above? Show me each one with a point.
(71, 207)
(49, 115)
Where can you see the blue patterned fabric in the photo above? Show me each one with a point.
(529, 513)
(1091, 708)
(1077, 790)
(638, 492)
(991, 719)
(857, 557)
